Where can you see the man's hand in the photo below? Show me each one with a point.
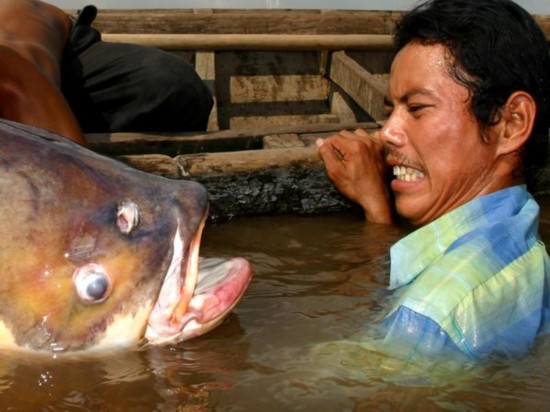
(355, 164)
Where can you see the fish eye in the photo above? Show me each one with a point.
(92, 283)
(127, 217)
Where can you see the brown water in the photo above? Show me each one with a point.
(297, 341)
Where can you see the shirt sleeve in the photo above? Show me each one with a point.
(409, 334)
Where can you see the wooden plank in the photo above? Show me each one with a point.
(206, 68)
(247, 161)
(263, 63)
(544, 23)
(239, 122)
(287, 42)
(281, 141)
(257, 89)
(205, 65)
(128, 138)
(363, 87)
(249, 21)
(252, 21)
(266, 63)
(157, 164)
(383, 77)
(341, 108)
(171, 144)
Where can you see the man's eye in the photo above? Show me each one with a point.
(416, 108)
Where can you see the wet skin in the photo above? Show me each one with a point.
(432, 133)
(439, 155)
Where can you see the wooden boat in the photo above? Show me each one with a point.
(281, 79)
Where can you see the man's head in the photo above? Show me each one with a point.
(470, 99)
(496, 49)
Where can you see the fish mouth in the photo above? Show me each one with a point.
(197, 293)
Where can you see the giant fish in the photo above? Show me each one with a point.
(95, 255)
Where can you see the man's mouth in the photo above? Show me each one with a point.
(407, 174)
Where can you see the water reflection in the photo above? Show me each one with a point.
(298, 341)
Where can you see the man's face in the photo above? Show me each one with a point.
(432, 139)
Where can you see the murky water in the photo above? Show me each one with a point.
(297, 341)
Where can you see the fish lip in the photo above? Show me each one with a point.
(209, 306)
(177, 286)
(213, 304)
(182, 311)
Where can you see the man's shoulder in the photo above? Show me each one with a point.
(474, 272)
(479, 255)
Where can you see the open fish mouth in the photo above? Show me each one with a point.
(197, 293)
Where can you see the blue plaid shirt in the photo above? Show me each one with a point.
(475, 280)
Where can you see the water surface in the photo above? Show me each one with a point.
(297, 341)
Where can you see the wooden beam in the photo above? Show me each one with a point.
(281, 141)
(366, 89)
(286, 42)
(544, 23)
(206, 69)
(257, 89)
(239, 122)
(193, 142)
(341, 108)
(161, 165)
(246, 21)
(246, 161)
(255, 21)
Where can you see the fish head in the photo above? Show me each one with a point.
(97, 255)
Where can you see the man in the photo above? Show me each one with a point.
(469, 112)
(57, 74)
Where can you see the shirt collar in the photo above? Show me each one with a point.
(412, 254)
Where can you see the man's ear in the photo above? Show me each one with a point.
(516, 123)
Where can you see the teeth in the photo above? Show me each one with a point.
(407, 174)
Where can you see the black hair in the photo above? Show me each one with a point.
(497, 48)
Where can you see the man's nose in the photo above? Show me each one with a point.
(393, 133)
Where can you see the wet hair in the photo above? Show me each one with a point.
(497, 48)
